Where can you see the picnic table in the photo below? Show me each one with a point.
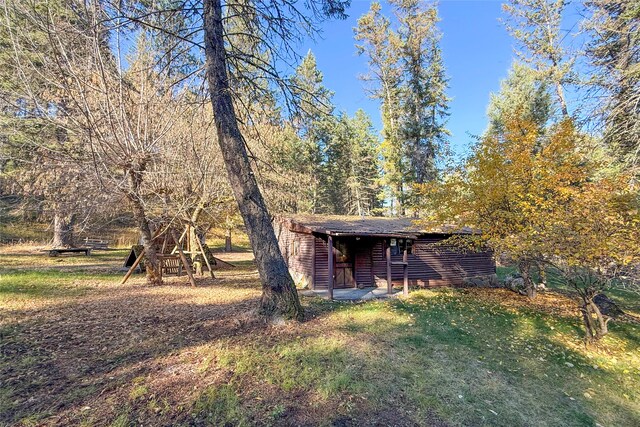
(57, 251)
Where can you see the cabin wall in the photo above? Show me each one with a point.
(364, 264)
(430, 268)
(361, 257)
(298, 252)
(321, 280)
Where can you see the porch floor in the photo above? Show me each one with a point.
(354, 294)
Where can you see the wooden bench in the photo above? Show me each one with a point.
(56, 252)
(171, 265)
(96, 243)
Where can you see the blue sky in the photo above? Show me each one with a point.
(477, 51)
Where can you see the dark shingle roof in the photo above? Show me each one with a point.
(365, 226)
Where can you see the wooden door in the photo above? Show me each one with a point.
(344, 265)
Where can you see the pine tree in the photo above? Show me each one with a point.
(380, 43)
(614, 52)
(425, 103)
(406, 66)
(315, 123)
(352, 167)
(364, 180)
(521, 97)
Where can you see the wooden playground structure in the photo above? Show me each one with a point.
(188, 255)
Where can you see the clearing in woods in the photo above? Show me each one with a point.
(77, 348)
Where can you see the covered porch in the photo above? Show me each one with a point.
(350, 254)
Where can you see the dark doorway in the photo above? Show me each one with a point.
(344, 264)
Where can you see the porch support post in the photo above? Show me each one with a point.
(405, 270)
(330, 275)
(388, 256)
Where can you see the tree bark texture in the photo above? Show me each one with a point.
(63, 225)
(227, 241)
(595, 323)
(152, 264)
(524, 266)
(279, 296)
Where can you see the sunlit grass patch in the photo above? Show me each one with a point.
(219, 405)
(35, 284)
(173, 354)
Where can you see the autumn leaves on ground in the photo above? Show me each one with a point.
(79, 349)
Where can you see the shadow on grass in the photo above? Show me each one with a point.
(181, 356)
(437, 359)
(69, 354)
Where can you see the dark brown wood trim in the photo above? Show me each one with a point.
(330, 269)
(388, 257)
(405, 272)
(313, 263)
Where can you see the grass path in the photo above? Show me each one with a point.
(78, 349)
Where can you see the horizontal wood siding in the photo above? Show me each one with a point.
(322, 264)
(364, 265)
(302, 262)
(430, 266)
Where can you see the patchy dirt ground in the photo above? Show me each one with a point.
(77, 348)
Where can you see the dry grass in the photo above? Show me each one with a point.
(79, 349)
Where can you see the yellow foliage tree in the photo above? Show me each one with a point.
(508, 188)
(541, 199)
(594, 242)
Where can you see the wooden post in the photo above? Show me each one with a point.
(133, 267)
(405, 267)
(389, 284)
(330, 273)
(175, 248)
(204, 255)
(183, 258)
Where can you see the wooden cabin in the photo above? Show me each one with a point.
(374, 251)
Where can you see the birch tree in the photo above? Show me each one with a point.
(536, 26)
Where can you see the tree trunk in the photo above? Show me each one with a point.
(603, 328)
(542, 275)
(152, 264)
(562, 100)
(595, 323)
(227, 241)
(63, 230)
(279, 296)
(524, 266)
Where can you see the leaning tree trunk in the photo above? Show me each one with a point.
(63, 226)
(152, 264)
(279, 296)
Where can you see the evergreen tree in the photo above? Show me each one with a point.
(38, 155)
(521, 97)
(614, 51)
(425, 103)
(315, 123)
(364, 180)
(380, 43)
(406, 64)
(535, 24)
(352, 167)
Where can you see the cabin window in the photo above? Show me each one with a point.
(395, 246)
(342, 251)
(295, 248)
(399, 245)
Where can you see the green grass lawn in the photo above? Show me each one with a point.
(77, 348)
